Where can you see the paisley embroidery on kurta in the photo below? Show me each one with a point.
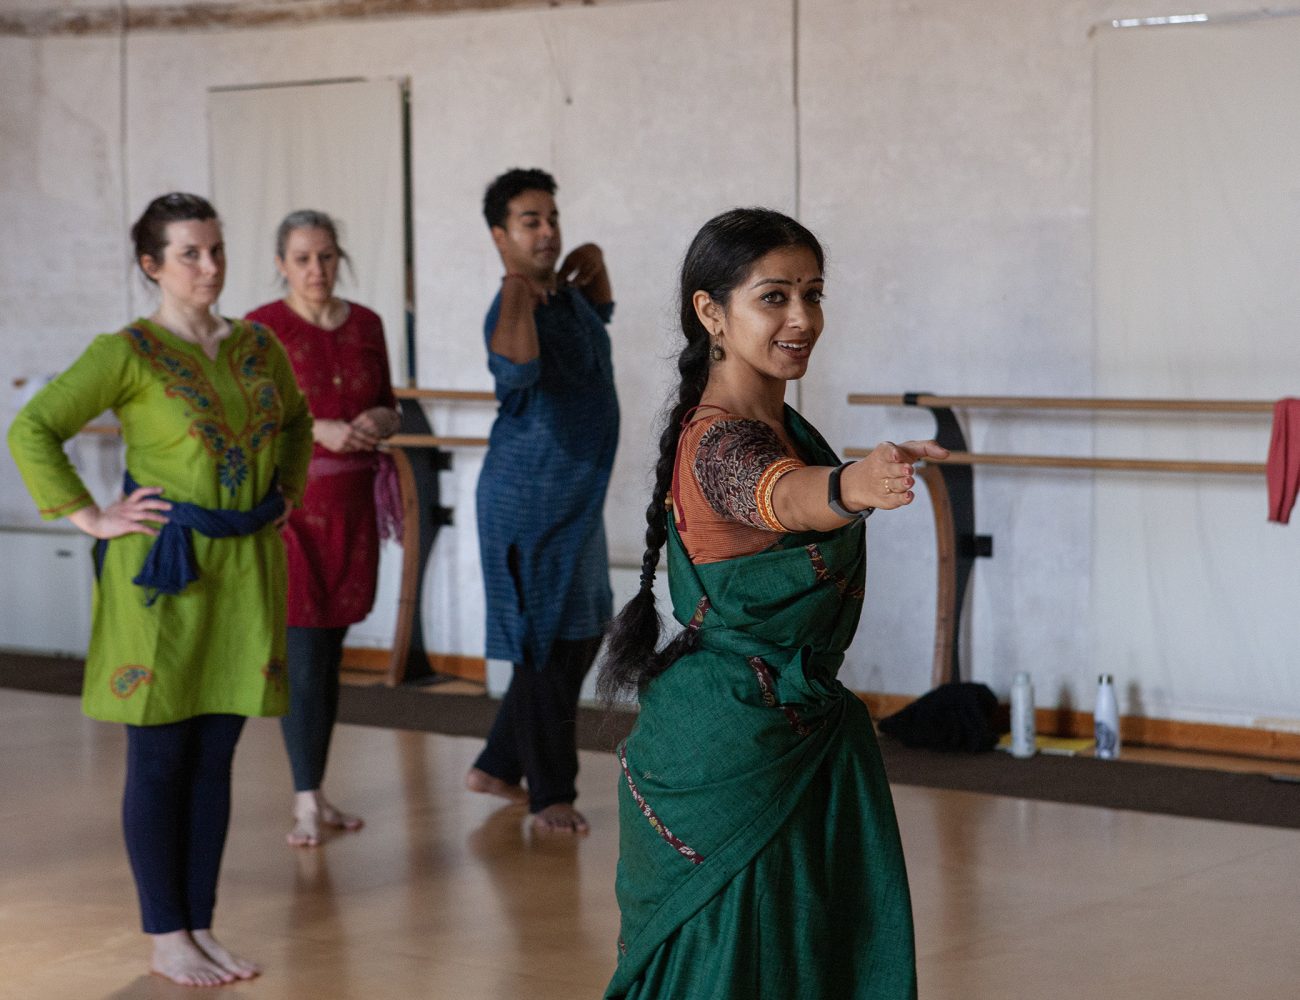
(124, 681)
(248, 359)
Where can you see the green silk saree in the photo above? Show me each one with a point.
(759, 852)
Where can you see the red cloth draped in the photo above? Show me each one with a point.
(1284, 460)
(332, 541)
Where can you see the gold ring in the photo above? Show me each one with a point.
(885, 480)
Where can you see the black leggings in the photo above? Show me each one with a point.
(175, 811)
(534, 735)
(313, 655)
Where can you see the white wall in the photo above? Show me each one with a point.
(1198, 239)
(944, 152)
(952, 191)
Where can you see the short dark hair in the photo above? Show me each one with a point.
(150, 230)
(511, 184)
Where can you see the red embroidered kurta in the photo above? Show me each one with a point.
(332, 539)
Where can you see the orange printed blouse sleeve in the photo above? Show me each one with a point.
(737, 465)
(97, 381)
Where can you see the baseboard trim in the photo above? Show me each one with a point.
(1241, 741)
(1205, 737)
(470, 668)
(881, 705)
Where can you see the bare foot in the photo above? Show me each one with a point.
(178, 958)
(484, 783)
(311, 811)
(336, 818)
(306, 829)
(562, 817)
(238, 968)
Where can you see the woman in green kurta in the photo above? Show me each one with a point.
(215, 428)
(759, 853)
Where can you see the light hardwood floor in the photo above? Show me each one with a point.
(445, 895)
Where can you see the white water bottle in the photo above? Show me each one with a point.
(1023, 743)
(1106, 719)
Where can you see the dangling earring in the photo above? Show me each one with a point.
(716, 352)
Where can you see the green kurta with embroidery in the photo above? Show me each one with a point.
(212, 433)
(759, 854)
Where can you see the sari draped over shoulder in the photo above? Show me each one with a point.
(759, 852)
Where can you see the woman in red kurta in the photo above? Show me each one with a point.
(337, 351)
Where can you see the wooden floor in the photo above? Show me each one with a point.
(443, 895)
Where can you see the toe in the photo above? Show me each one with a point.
(303, 835)
(341, 820)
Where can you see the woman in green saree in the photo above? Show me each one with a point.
(759, 853)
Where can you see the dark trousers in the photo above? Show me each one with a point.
(314, 656)
(175, 811)
(534, 735)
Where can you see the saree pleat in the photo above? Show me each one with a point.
(759, 852)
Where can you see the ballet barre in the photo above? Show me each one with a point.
(418, 439)
(950, 482)
(399, 440)
(419, 455)
(446, 395)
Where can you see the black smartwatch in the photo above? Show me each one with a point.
(833, 496)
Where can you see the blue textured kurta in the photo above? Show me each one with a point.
(542, 488)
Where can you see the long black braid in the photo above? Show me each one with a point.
(720, 257)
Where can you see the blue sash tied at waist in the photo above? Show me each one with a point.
(170, 567)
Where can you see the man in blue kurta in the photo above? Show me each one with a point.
(541, 494)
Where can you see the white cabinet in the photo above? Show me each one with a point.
(45, 588)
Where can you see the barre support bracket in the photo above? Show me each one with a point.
(959, 544)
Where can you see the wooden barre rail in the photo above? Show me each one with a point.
(434, 441)
(423, 516)
(950, 482)
(1081, 462)
(419, 456)
(396, 441)
(1064, 403)
(447, 395)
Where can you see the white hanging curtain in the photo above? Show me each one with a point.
(335, 147)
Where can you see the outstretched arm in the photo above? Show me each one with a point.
(883, 480)
(747, 475)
